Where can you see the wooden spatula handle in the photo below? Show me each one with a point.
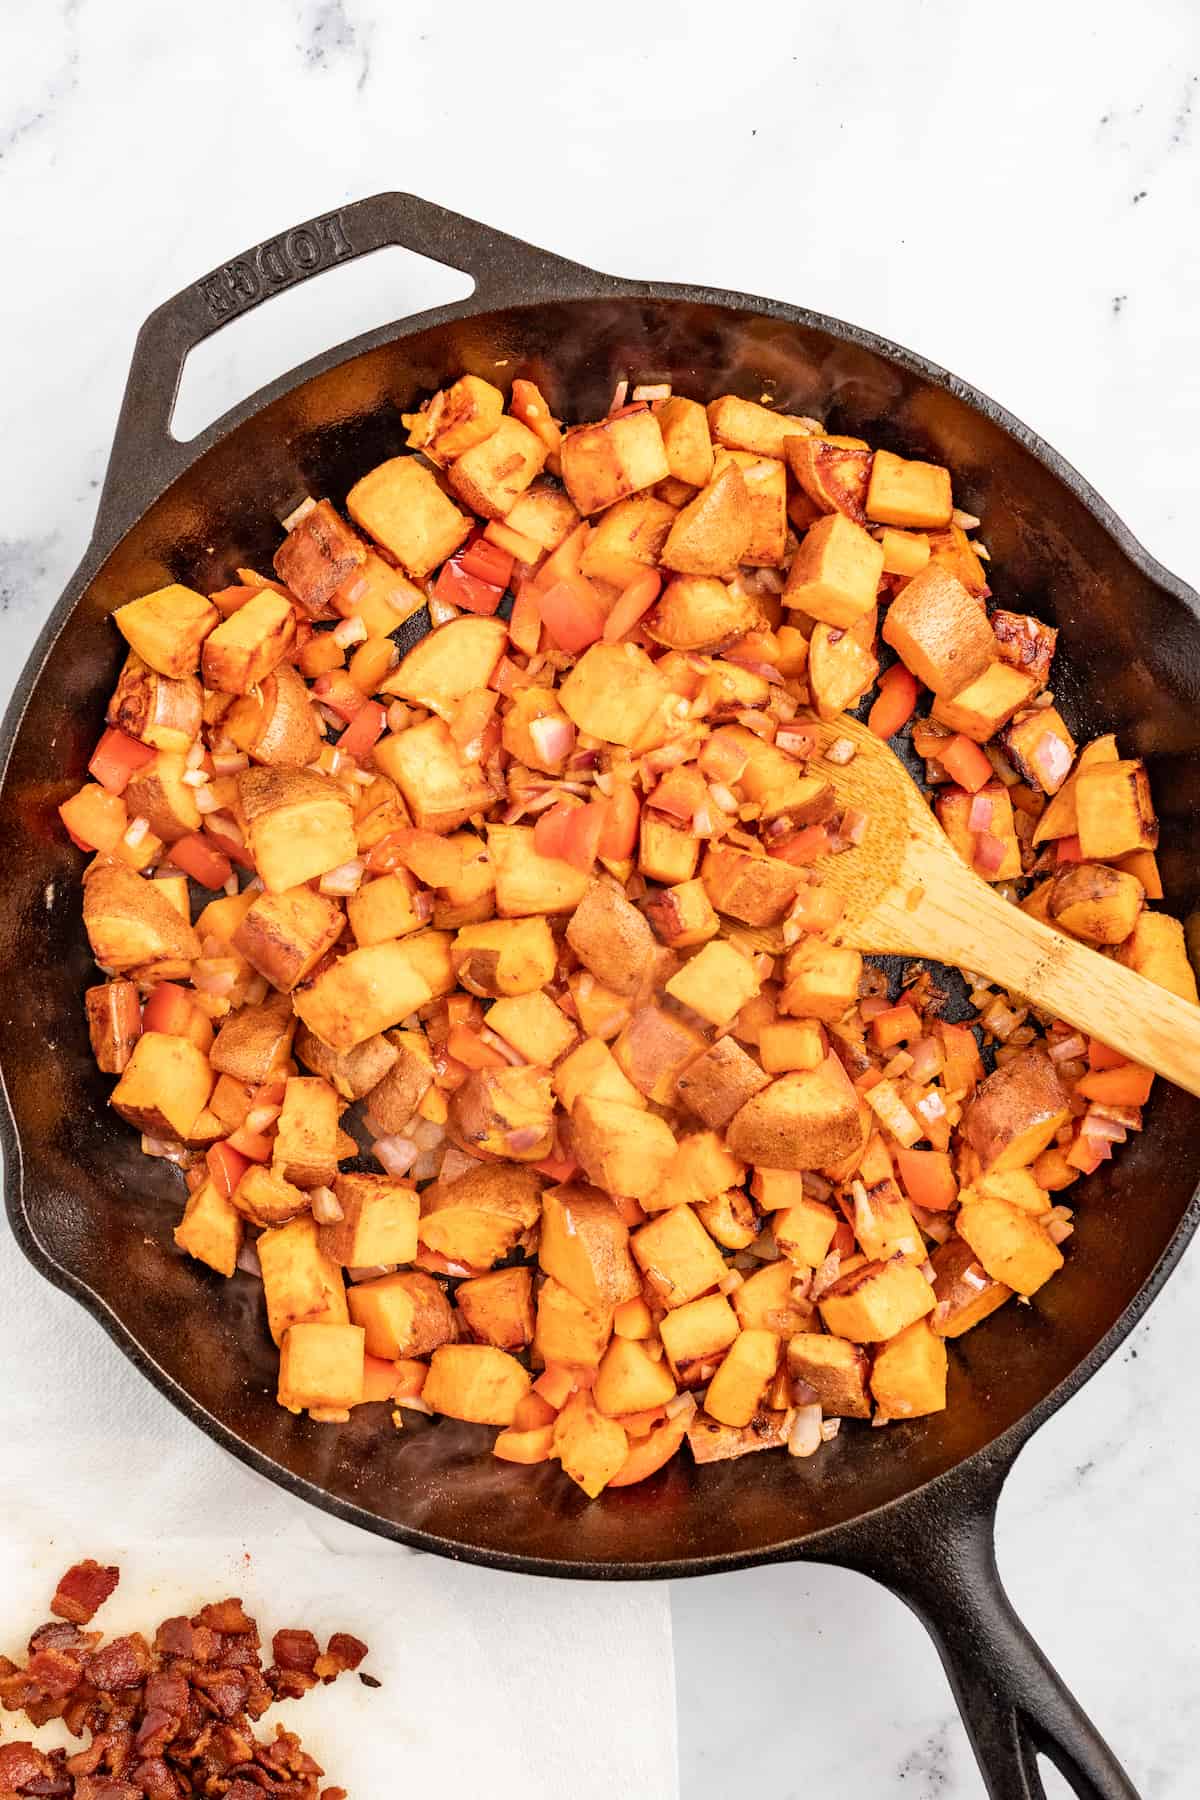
(967, 924)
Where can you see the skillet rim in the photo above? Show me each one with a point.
(565, 283)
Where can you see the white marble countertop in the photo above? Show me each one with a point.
(1018, 200)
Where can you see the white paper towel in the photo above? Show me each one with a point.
(491, 1682)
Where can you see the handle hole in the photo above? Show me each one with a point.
(344, 300)
(1057, 1786)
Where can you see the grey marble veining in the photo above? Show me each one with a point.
(1015, 196)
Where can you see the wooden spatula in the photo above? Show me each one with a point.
(907, 890)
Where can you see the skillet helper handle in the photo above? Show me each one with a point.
(146, 458)
(937, 1552)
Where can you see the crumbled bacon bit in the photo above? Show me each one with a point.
(82, 1591)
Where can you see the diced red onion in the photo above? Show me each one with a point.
(414, 1403)
(651, 391)
(826, 1275)
(989, 852)
(1102, 1130)
(523, 1138)
(326, 1207)
(796, 741)
(456, 1162)
(247, 1260)
(351, 631)
(395, 1154)
(1062, 1049)
(441, 611)
(297, 513)
(231, 762)
(830, 1429)
(371, 1272)
(980, 816)
(931, 1106)
(620, 392)
(553, 738)
(168, 1148)
(137, 832)
(195, 755)
(206, 800)
(722, 797)
(219, 982)
(1051, 759)
(1059, 1230)
(345, 879)
(423, 904)
(259, 1118)
(498, 1044)
(256, 990)
(681, 1403)
(815, 1186)
(231, 887)
(927, 1059)
(854, 825)
(842, 751)
(804, 1438)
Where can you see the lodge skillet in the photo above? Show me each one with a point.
(912, 1506)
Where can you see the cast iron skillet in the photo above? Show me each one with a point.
(914, 1506)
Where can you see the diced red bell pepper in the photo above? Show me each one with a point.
(680, 793)
(116, 757)
(255, 1146)
(966, 763)
(364, 730)
(472, 716)
(336, 691)
(928, 1178)
(897, 1025)
(228, 846)
(1068, 850)
(226, 1166)
(896, 703)
(633, 603)
(197, 857)
(805, 846)
(460, 588)
(95, 818)
(169, 1009)
(620, 834)
(469, 1048)
(571, 833)
(572, 613)
(487, 562)
(525, 623)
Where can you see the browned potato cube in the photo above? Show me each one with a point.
(543, 513)
(404, 509)
(654, 1049)
(712, 1442)
(298, 825)
(987, 703)
(821, 980)
(835, 1369)
(842, 665)
(352, 1073)
(255, 1040)
(585, 1246)
(701, 1169)
(455, 419)
(378, 1223)
(265, 1198)
(835, 573)
(429, 952)
(505, 1112)
(441, 789)
(129, 923)
(1157, 949)
(739, 1384)
(833, 475)
(666, 852)
(765, 1301)
(491, 476)
(1028, 644)
(1040, 748)
(615, 693)
(526, 881)
(804, 1231)
(940, 632)
(908, 1376)
(623, 1149)
(317, 556)
(627, 540)
(1016, 1112)
(1010, 1243)
(406, 1314)
(699, 612)
(758, 890)
(700, 1329)
(476, 1220)
(788, 1045)
(1098, 904)
(447, 664)
(210, 1229)
(730, 1219)
(285, 935)
(158, 711)
(305, 1150)
(158, 793)
(904, 552)
(1114, 811)
(276, 723)
(498, 1308)
(630, 1380)
(567, 1331)
(476, 1382)
(164, 1087)
(593, 1070)
(535, 1027)
(361, 994)
(321, 1367)
(114, 1015)
(602, 463)
(876, 1301)
(300, 1283)
(711, 535)
(966, 1293)
(908, 493)
(808, 1120)
(591, 1448)
(505, 956)
(611, 938)
(167, 628)
(246, 646)
(682, 915)
(715, 983)
(407, 1078)
(686, 440)
(766, 489)
(719, 1083)
(384, 908)
(676, 1254)
(744, 425)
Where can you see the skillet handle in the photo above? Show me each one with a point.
(145, 456)
(937, 1552)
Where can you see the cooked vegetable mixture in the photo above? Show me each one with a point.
(632, 1178)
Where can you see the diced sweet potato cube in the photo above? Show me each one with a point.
(630, 1380)
(627, 540)
(966, 1293)
(498, 1308)
(114, 1014)
(265, 1198)
(745, 425)
(835, 573)
(1114, 811)
(833, 475)
(821, 980)
(592, 1070)
(476, 1220)
(603, 463)
(614, 692)
(1027, 643)
(591, 1448)
(720, 1082)
(904, 552)
(476, 1382)
(1010, 1243)
(686, 440)
(164, 1087)
(701, 1169)
(653, 1050)
(321, 1367)
(876, 1301)
(623, 1149)
(806, 1120)
(842, 664)
(129, 923)
(1157, 949)
(167, 628)
(455, 419)
(440, 788)
(301, 1284)
(804, 1231)
(492, 475)
(715, 983)
(404, 509)
(246, 646)
(883, 1224)
(384, 908)
(758, 890)
(788, 1045)
(284, 936)
(159, 794)
(406, 1314)
(585, 1246)
(447, 664)
(954, 807)
(505, 956)
(739, 1384)
(1040, 748)
(211, 1229)
(318, 554)
(766, 489)
(683, 915)
(1098, 904)
(676, 1254)
(835, 1369)
(254, 1040)
(352, 1073)
(568, 1331)
(940, 632)
(156, 710)
(298, 825)
(711, 535)
(378, 1223)
(429, 952)
(543, 513)
(699, 612)
(908, 1376)
(710, 1441)
(305, 1150)
(505, 1112)
(730, 1219)
(666, 852)
(1016, 1112)
(611, 938)
(534, 1026)
(528, 882)
(981, 708)
(765, 1301)
(361, 994)
(701, 1328)
(903, 492)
